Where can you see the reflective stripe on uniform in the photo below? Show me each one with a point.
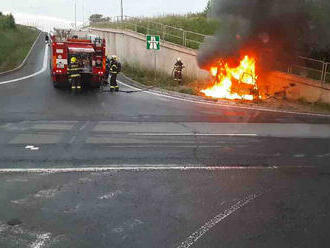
(74, 75)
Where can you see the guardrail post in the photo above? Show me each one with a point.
(163, 31)
(324, 79)
(184, 38)
(322, 74)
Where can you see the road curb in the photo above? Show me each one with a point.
(26, 57)
(222, 103)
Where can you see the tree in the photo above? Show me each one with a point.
(95, 18)
(11, 21)
(209, 7)
(7, 22)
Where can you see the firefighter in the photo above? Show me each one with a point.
(47, 39)
(113, 59)
(178, 67)
(107, 71)
(74, 73)
(115, 68)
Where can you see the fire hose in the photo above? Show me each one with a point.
(136, 91)
(131, 91)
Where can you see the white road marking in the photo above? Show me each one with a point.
(127, 225)
(47, 193)
(41, 240)
(32, 148)
(72, 139)
(3, 227)
(43, 69)
(20, 201)
(110, 195)
(195, 134)
(225, 105)
(17, 180)
(84, 126)
(140, 168)
(215, 220)
(323, 155)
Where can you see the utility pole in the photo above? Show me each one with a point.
(122, 10)
(75, 14)
(83, 12)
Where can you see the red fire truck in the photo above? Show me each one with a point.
(89, 52)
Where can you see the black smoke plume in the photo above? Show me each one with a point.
(274, 31)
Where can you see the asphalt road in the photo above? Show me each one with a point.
(143, 170)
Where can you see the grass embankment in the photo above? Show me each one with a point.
(162, 80)
(198, 23)
(15, 43)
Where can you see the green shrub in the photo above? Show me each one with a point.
(189, 91)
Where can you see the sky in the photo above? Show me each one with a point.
(61, 12)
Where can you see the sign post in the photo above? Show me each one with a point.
(153, 43)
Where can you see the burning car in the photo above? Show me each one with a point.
(234, 82)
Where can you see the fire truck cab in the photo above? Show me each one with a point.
(89, 52)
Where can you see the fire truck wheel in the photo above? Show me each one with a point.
(96, 85)
(56, 85)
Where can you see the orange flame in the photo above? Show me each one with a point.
(244, 74)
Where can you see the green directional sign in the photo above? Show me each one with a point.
(153, 42)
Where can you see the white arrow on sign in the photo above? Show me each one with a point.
(153, 43)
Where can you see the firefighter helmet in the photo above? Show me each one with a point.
(178, 59)
(73, 60)
(114, 57)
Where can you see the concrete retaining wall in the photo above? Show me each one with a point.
(131, 46)
(296, 87)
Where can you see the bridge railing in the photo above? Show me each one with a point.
(311, 68)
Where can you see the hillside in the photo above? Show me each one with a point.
(15, 42)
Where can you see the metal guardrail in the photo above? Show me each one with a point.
(167, 33)
(311, 68)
